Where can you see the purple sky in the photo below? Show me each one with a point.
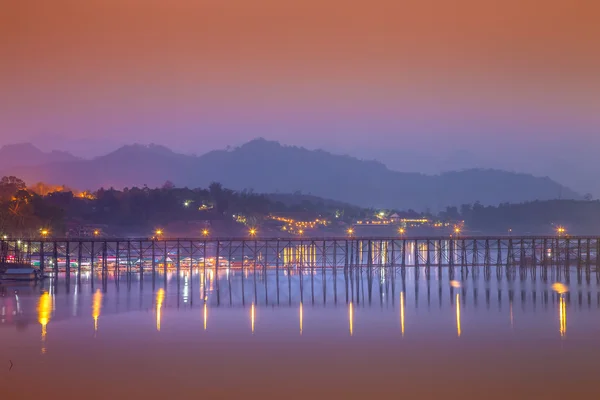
(422, 85)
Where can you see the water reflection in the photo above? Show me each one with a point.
(458, 331)
(351, 318)
(44, 310)
(160, 297)
(252, 317)
(432, 300)
(96, 307)
(301, 318)
(402, 312)
(361, 288)
(562, 315)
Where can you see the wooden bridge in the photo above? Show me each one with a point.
(140, 255)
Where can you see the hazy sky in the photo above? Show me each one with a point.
(513, 81)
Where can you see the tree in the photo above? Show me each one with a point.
(168, 185)
(9, 186)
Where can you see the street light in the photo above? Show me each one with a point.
(158, 233)
(44, 232)
(560, 230)
(401, 231)
(252, 232)
(300, 232)
(96, 232)
(205, 232)
(457, 230)
(350, 231)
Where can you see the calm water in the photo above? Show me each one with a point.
(315, 335)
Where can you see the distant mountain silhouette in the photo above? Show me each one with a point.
(269, 167)
(26, 154)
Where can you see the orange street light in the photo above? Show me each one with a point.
(158, 232)
(96, 232)
(401, 231)
(560, 230)
(44, 232)
(457, 230)
(205, 232)
(252, 232)
(301, 232)
(350, 231)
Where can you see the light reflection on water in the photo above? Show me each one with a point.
(313, 325)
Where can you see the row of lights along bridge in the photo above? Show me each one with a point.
(252, 232)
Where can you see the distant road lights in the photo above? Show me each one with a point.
(205, 232)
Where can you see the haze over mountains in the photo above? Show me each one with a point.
(267, 166)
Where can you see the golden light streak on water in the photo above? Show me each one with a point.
(458, 330)
(96, 307)
(562, 316)
(160, 297)
(44, 310)
(205, 315)
(252, 316)
(301, 318)
(351, 317)
(402, 312)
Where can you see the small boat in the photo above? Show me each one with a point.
(20, 274)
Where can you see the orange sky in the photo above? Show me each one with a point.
(132, 64)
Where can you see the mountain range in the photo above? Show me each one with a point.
(269, 167)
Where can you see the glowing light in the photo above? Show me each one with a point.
(252, 232)
(301, 317)
(455, 284)
(44, 310)
(205, 315)
(457, 230)
(4, 237)
(560, 288)
(402, 312)
(301, 232)
(160, 297)
(350, 231)
(205, 232)
(351, 318)
(562, 316)
(44, 232)
(401, 231)
(252, 316)
(458, 314)
(158, 232)
(96, 307)
(96, 232)
(560, 230)
(186, 203)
